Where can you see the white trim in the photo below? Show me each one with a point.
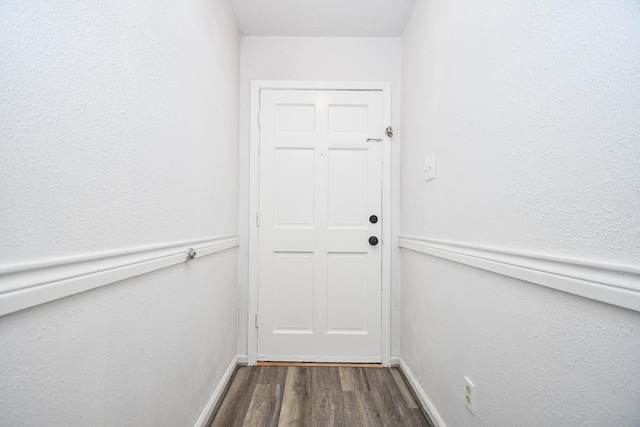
(254, 185)
(424, 401)
(254, 182)
(394, 362)
(32, 284)
(614, 284)
(243, 360)
(317, 85)
(386, 230)
(218, 394)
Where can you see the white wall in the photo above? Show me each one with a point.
(531, 109)
(118, 124)
(315, 59)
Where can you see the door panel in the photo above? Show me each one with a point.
(294, 187)
(319, 291)
(295, 118)
(347, 118)
(293, 276)
(347, 197)
(346, 296)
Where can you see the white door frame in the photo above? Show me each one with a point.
(254, 183)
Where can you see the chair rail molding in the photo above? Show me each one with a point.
(27, 285)
(610, 283)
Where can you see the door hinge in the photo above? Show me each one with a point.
(389, 131)
(257, 219)
(256, 319)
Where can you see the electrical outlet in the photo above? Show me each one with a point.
(470, 396)
(430, 167)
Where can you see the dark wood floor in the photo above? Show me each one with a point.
(318, 396)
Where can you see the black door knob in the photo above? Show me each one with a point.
(373, 240)
(373, 219)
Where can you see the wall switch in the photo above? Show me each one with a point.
(430, 167)
(470, 395)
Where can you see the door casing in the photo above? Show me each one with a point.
(254, 182)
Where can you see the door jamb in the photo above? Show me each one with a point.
(254, 182)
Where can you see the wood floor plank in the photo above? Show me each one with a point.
(271, 375)
(386, 396)
(362, 409)
(296, 408)
(376, 378)
(422, 419)
(402, 386)
(405, 405)
(387, 412)
(418, 413)
(327, 400)
(325, 378)
(354, 412)
(264, 410)
(353, 379)
(328, 409)
(236, 402)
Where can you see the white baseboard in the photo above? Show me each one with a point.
(394, 361)
(243, 360)
(425, 402)
(218, 394)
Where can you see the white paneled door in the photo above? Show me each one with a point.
(319, 291)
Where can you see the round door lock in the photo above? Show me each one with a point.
(373, 240)
(373, 219)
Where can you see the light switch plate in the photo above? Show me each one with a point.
(430, 167)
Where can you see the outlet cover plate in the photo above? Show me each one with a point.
(470, 395)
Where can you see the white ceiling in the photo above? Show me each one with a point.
(329, 18)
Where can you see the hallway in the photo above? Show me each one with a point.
(171, 193)
(318, 396)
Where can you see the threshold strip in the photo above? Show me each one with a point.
(323, 365)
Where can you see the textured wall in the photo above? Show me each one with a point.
(532, 112)
(316, 59)
(537, 356)
(118, 123)
(147, 351)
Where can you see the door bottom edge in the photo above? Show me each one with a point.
(322, 364)
(319, 359)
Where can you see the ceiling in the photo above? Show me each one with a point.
(322, 18)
